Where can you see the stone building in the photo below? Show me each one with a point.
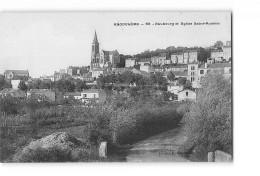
(217, 54)
(93, 95)
(158, 60)
(144, 61)
(186, 95)
(193, 71)
(130, 62)
(227, 51)
(185, 57)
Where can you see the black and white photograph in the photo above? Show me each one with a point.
(116, 86)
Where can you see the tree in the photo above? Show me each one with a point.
(31, 105)
(187, 85)
(182, 80)
(208, 122)
(8, 106)
(80, 85)
(171, 76)
(202, 55)
(23, 86)
(218, 44)
(101, 81)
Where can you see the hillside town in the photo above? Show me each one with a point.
(179, 72)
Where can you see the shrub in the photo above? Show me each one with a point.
(142, 121)
(208, 122)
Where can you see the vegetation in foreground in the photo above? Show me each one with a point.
(120, 121)
(208, 121)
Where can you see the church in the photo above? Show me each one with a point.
(102, 62)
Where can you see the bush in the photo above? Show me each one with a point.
(142, 121)
(208, 123)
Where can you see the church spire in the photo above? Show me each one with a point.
(95, 38)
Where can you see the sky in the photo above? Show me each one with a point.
(44, 42)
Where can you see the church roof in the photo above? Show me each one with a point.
(95, 38)
(110, 52)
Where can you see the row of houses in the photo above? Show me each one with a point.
(184, 57)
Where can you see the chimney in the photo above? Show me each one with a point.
(206, 65)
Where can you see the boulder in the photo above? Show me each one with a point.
(61, 142)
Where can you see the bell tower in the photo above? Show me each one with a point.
(95, 52)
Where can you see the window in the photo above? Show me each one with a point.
(201, 72)
(192, 67)
(94, 95)
(187, 93)
(85, 95)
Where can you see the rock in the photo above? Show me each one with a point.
(61, 141)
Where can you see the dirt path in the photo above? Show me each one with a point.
(160, 148)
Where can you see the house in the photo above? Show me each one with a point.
(193, 71)
(147, 68)
(158, 60)
(158, 68)
(144, 61)
(15, 83)
(75, 95)
(43, 93)
(185, 56)
(224, 67)
(130, 62)
(17, 93)
(96, 72)
(47, 78)
(190, 56)
(93, 95)
(174, 88)
(227, 51)
(87, 77)
(217, 55)
(141, 72)
(186, 95)
(12, 74)
(177, 57)
(73, 71)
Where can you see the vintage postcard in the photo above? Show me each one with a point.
(116, 86)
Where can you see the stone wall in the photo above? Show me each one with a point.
(219, 156)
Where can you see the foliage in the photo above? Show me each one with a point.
(142, 120)
(22, 86)
(218, 44)
(171, 76)
(208, 122)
